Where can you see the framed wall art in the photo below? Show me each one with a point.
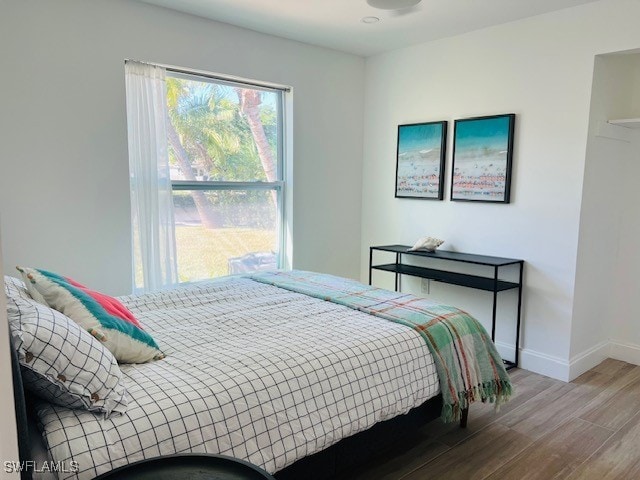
(482, 158)
(420, 160)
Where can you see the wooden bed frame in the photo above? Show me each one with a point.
(334, 462)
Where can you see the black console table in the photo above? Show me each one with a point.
(490, 284)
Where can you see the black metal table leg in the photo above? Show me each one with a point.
(463, 417)
(397, 274)
(517, 346)
(495, 303)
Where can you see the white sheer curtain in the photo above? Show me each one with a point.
(154, 244)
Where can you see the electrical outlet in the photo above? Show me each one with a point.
(425, 285)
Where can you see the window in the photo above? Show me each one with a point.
(225, 148)
(225, 158)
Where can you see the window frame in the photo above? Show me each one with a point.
(279, 185)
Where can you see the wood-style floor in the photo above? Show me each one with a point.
(586, 429)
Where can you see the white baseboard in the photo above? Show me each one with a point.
(566, 371)
(537, 362)
(588, 359)
(505, 350)
(626, 352)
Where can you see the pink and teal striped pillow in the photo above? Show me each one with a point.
(101, 315)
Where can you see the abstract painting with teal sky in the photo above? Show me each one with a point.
(481, 158)
(419, 160)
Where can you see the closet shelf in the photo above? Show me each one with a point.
(626, 122)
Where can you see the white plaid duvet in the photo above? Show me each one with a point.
(252, 371)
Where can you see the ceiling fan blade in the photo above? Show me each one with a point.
(393, 4)
(400, 12)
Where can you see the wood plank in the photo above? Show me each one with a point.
(546, 411)
(626, 376)
(526, 385)
(623, 404)
(612, 367)
(476, 457)
(618, 459)
(402, 460)
(539, 406)
(540, 435)
(557, 454)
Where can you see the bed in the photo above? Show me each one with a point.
(265, 373)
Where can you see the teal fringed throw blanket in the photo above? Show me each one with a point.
(468, 365)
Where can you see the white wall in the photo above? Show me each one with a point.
(540, 68)
(64, 187)
(625, 334)
(607, 259)
(8, 442)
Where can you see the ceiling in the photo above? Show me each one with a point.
(337, 23)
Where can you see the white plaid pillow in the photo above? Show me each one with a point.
(60, 361)
(14, 287)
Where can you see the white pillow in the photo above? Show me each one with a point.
(60, 361)
(14, 287)
(101, 315)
